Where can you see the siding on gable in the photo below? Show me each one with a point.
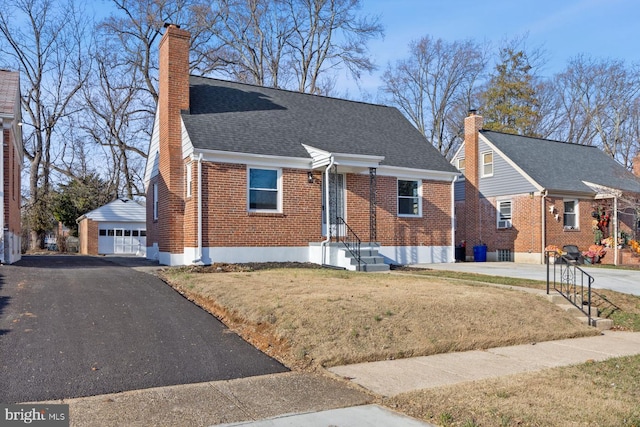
(505, 180)
(458, 190)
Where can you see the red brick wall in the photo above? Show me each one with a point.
(557, 235)
(226, 221)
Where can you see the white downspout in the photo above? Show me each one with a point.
(199, 259)
(326, 210)
(453, 218)
(615, 230)
(544, 223)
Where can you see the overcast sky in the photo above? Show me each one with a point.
(564, 28)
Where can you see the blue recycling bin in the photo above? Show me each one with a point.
(480, 253)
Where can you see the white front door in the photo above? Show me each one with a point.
(335, 205)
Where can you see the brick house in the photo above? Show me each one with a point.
(239, 173)
(520, 194)
(119, 227)
(11, 166)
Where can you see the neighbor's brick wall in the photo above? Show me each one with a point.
(557, 235)
(88, 232)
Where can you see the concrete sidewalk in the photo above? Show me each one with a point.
(294, 399)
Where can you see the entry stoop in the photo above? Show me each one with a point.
(597, 322)
(370, 260)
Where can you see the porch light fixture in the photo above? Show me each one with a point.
(310, 177)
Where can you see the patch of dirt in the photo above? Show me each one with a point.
(246, 267)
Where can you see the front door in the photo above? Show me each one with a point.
(335, 205)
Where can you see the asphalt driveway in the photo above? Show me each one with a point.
(73, 326)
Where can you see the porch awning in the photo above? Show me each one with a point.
(354, 162)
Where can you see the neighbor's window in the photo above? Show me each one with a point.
(461, 165)
(409, 200)
(188, 179)
(102, 232)
(487, 164)
(570, 216)
(155, 201)
(504, 214)
(264, 189)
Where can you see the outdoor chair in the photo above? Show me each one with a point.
(572, 254)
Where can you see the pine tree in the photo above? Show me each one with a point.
(509, 103)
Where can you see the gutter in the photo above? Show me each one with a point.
(327, 210)
(543, 212)
(453, 217)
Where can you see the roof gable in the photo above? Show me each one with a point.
(243, 118)
(9, 93)
(562, 166)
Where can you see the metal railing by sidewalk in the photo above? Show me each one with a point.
(350, 239)
(566, 277)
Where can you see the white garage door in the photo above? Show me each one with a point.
(122, 240)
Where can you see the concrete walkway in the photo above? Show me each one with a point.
(626, 281)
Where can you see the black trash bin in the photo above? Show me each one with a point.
(461, 253)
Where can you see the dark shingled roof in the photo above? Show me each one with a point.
(562, 166)
(245, 118)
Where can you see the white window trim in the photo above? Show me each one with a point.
(189, 172)
(278, 186)
(419, 215)
(576, 207)
(507, 222)
(155, 201)
(482, 163)
(462, 170)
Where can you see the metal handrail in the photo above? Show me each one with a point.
(572, 289)
(351, 240)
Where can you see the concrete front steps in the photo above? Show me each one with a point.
(370, 260)
(600, 323)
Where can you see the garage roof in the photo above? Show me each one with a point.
(120, 210)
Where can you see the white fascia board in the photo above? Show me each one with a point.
(410, 173)
(512, 163)
(253, 159)
(602, 191)
(187, 145)
(455, 156)
(319, 158)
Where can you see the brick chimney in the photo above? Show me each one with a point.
(472, 124)
(636, 165)
(173, 97)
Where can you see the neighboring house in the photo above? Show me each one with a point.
(119, 227)
(11, 151)
(520, 194)
(237, 173)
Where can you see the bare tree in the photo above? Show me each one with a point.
(327, 35)
(434, 86)
(48, 48)
(599, 99)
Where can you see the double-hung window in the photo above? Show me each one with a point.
(504, 214)
(409, 198)
(487, 164)
(265, 190)
(570, 216)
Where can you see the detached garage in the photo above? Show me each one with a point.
(118, 227)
